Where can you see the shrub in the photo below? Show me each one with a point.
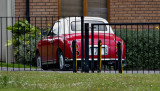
(24, 40)
(142, 48)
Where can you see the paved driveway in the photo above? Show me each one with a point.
(70, 71)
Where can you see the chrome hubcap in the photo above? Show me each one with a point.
(39, 62)
(61, 61)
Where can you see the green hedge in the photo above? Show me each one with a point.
(143, 48)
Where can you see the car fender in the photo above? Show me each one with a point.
(63, 45)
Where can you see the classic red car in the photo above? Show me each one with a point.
(57, 46)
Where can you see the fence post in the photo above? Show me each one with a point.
(92, 48)
(87, 47)
(120, 58)
(99, 63)
(82, 43)
(74, 56)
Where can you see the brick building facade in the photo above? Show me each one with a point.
(120, 11)
(131, 11)
(37, 7)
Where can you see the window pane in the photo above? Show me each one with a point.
(76, 26)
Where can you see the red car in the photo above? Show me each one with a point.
(57, 47)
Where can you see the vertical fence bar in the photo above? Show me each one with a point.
(137, 49)
(12, 45)
(74, 55)
(115, 65)
(92, 48)
(69, 35)
(35, 34)
(119, 58)
(154, 40)
(126, 48)
(30, 46)
(47, 42)
(116, 61)
(143, 48)
(75, 30)
(99, 56)
(159, 44)
(87, 47)
(109, 49)
(24, 46)
(7, 41)
(120, 33)
(120, 49)
(18, 47)
(41, 44)
(52, 44)
(148, 49)
(58, 31)
(105, 29)
(82, 43)
(64, 42)
(132, 48)
(1, 42)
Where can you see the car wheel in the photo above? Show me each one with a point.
(38, 59)
(61, 61)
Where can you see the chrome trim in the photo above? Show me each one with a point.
(103, 59)
(49, 62)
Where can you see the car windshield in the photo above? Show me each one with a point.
(76, 26)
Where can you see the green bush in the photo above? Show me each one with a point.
(142, 48)
(24, 41)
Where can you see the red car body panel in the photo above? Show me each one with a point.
(48, 47)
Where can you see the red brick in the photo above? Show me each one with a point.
(49, 3)
(41, 3)
(139, 12)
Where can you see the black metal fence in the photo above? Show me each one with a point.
(46, 44)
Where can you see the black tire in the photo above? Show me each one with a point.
(61, 61)
(115, 65)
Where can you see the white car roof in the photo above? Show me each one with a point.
(68, 20)
(85, 18)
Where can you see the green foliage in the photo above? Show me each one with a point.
(54, 81)
(16, 65)
(5, 80)
(142, 48)
(24, 41)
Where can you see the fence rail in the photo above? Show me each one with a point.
(46, 44)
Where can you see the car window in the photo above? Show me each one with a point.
(76, 26)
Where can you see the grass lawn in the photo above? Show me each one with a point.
(52, 81)
(15, 65)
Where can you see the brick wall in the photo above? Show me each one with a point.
(120, 10)
(20, 9)
(131, 11)
(41, 8)
(37, 7)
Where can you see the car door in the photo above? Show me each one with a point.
(52, 42)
